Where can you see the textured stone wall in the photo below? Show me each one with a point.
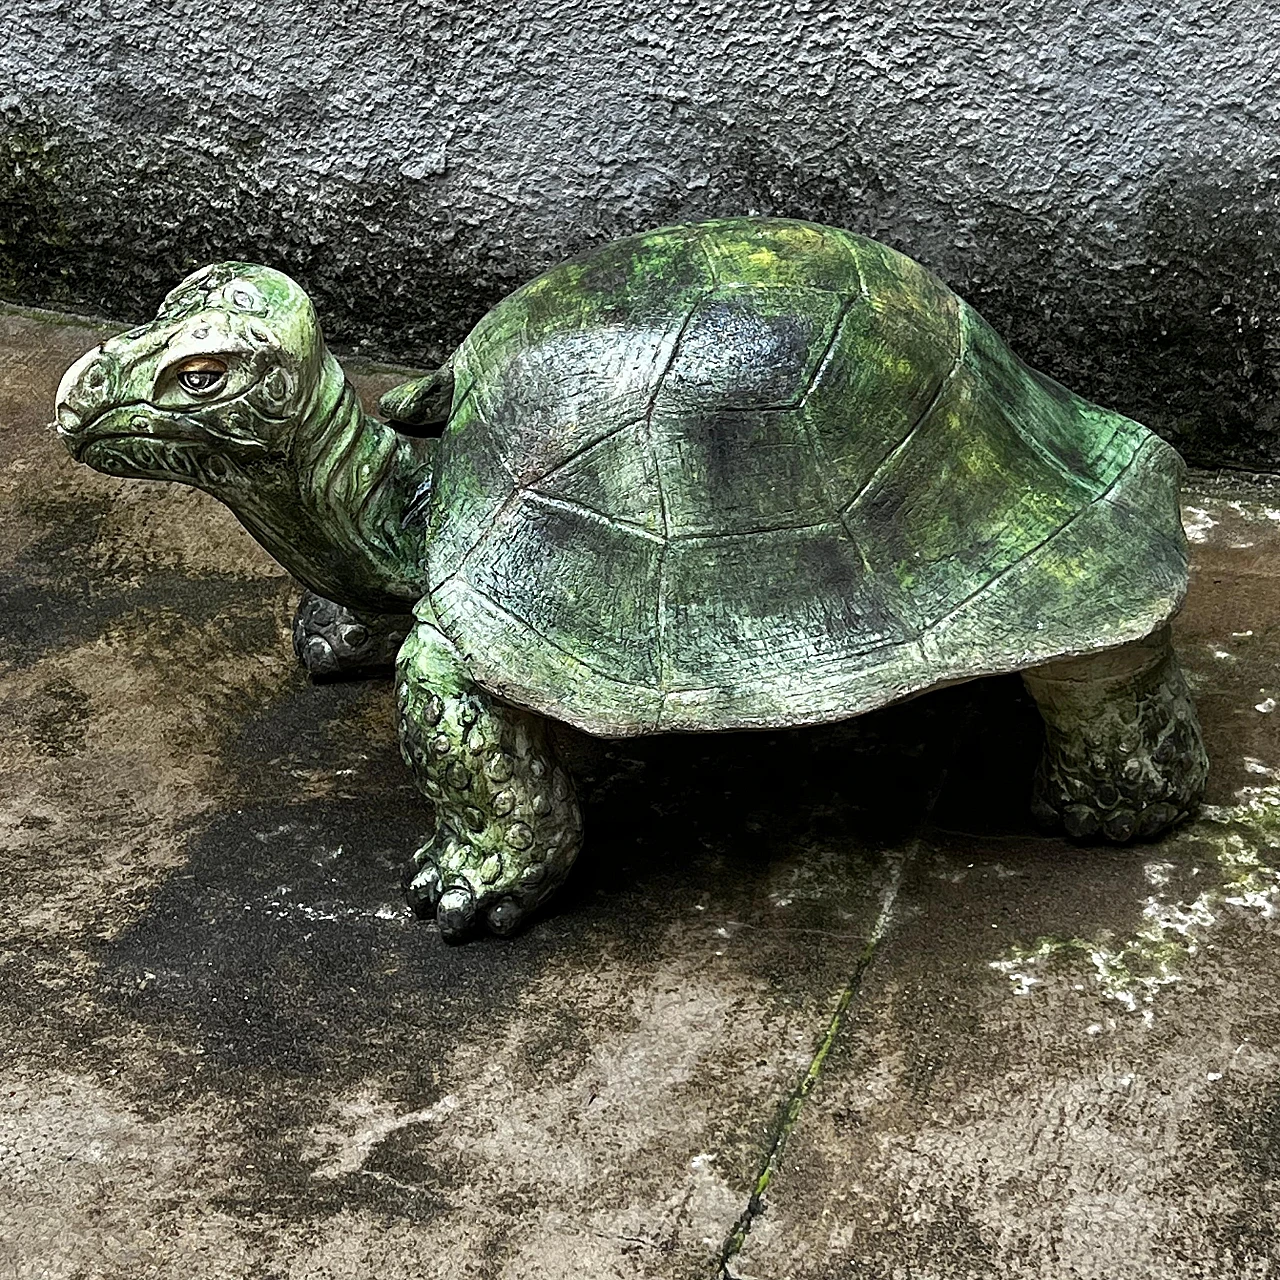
(1100, 179)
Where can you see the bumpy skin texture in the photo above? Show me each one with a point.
(508, 825)
(331, 640)
(1123, 754)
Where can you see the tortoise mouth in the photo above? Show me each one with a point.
(142, 419)
(153, 457)
(81, 437)
(135, 440)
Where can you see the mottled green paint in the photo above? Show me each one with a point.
(749, 471)
(617, 478)
(923, 459)
(659, 274)
(507, 825)
(770, 253)
(1089, 445)
(283, 441)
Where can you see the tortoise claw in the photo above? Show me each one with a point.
(457, 907)
(456, 912)
(505, 917)
(422, 886)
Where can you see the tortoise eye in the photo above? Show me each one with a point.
(201, 375)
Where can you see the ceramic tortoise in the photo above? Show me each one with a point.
(746, 473)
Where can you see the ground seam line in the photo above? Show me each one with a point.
(791, 1113)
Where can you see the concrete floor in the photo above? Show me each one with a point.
(776, 1027)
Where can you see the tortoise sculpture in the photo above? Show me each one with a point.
(749, 473)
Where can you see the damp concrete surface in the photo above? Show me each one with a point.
(812, 1006)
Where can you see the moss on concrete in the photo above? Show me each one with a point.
(1233, 852)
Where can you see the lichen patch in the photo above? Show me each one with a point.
(1240, 873)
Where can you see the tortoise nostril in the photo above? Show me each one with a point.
(86, 388)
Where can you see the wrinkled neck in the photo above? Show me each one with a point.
(334, 520)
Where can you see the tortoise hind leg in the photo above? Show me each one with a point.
(332, 640)
(508, 825)
(1123, 754)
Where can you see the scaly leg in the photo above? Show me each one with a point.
(332, 640)
(1123, 754)
(507, 821)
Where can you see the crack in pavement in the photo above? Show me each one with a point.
(790, 1115)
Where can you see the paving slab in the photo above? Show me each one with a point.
(229, 1050)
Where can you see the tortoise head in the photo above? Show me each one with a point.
(231, 389)
(210, 393)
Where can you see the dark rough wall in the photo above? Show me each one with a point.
(1099, 179)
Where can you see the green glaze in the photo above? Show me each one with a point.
(507, 823)
(760, 473)
(744, 473)
(282, 440)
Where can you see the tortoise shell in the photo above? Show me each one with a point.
(757, 472)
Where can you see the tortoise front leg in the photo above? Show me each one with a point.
(332, 640)
(507, 821)
(1123, 755)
